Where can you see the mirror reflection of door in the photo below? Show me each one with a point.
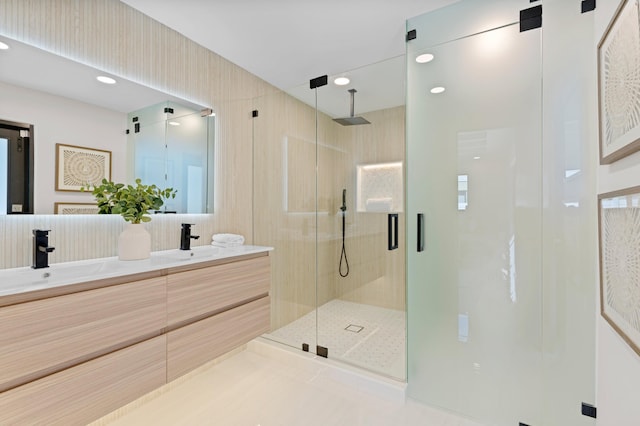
(16, 168)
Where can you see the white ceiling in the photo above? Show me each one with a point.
(289, 42)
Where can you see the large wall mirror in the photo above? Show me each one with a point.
(133, 131)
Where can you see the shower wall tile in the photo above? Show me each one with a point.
(377, 276)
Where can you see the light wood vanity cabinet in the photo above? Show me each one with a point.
(88, 391)
(201, 292)
(191, 346)
(73, 358)
(43, 336)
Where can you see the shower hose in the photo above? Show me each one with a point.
(343, 254)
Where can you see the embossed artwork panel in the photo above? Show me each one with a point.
(77, 167)
(620, 262)
(619, 84)
(75, 208)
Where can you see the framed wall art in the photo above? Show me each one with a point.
(75, 208)
(77, 166)
(619, 84)
(619, 247)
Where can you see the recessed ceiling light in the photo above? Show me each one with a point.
(174, 123)
(438, 89)
(424, 58)
(106, 80)
(476, 158)
(341, 81)
(3, 46)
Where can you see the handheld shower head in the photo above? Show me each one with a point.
(343, 252)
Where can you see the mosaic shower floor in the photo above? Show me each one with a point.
(363, 335)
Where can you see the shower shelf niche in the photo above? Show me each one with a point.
(379, 188)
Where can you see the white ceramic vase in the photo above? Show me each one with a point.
(134, 243)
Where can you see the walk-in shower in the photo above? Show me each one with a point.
(500, 216)
(324, 190)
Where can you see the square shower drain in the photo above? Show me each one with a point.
(354, 328)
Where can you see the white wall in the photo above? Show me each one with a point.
(61, 120)
(618, 365)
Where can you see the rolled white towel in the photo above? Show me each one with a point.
(379, 204)
(228, 238)
(225, 245)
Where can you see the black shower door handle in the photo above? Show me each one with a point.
(420, 232)
(392, 224)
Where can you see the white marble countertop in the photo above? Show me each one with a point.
(26, 279)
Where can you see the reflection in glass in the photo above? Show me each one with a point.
(171, 147)
(463, 192)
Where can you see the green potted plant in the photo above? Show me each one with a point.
(133, 203)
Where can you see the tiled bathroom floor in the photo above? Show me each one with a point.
(269, 387)
(363, 335)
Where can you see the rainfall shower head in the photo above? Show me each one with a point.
(351, 120)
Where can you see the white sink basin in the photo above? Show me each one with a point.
(19, 280)
(26, 279)
(197, 253)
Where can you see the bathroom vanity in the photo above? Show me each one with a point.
(82, 339)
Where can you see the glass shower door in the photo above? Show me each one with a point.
(475, 212)
(284, 215)
(501, 213)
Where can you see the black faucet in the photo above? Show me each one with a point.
(41, 249)
(185, 237)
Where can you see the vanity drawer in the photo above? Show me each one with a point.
(44, 336)
(90, 390)
(194, 294)
(194, 345)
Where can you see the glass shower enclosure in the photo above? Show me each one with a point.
(500, 316)
(330, 198)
